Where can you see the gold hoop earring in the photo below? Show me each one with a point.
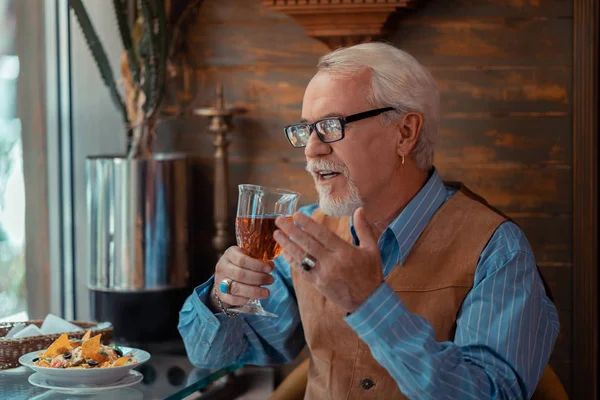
(402, 155)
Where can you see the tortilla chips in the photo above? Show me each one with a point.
(121, 361)
(60, 346)
(91, 347)
(87, 335)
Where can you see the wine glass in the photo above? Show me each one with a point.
(257, 209)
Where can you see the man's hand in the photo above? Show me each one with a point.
(247, 274)
(346, 274)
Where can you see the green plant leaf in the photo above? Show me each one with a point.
(154, 52)
(99, 55)
(122, 13)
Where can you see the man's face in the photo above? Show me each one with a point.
(355, 169)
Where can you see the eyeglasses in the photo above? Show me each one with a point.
(328, 130)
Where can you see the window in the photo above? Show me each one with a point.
(12, 191)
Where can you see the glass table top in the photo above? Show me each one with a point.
(14, 385)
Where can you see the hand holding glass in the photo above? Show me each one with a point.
(258, 207)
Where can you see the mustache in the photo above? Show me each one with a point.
(313, 166)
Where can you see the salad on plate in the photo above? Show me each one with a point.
(86, 353)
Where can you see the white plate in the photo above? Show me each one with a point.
(40, 380)
(67, 376)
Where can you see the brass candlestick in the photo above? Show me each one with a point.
(220, 125)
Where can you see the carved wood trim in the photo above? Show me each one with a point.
(342, 22)
(585, 197)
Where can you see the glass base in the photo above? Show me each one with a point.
(253, 307)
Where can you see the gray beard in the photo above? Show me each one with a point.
(336, 207)
(340, 207)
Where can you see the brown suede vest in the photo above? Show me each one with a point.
(432, 282)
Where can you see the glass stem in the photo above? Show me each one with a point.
(255, 303)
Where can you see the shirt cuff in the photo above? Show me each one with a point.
(200, 303)
(376, 310)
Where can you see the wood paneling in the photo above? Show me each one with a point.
(559, 279)
(518, 189)
(238, 12)
(505, 76)
(585, 192)
(229, 12)
(499, 8)
(433, 41)
(515, 141)
(274, 44)
(492, 41)
(500, 91)
(261, 90)
(550, 237)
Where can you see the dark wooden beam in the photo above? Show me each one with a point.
(585, 199)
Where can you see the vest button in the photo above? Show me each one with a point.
(367, 384)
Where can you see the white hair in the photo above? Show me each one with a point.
(397, 80)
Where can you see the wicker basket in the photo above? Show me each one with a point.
(12, 349)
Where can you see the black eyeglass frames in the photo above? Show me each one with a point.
(329, 130)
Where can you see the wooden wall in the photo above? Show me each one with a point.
(504, 71)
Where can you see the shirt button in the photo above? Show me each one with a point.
(367, 384)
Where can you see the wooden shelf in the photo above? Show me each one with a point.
(343, 22)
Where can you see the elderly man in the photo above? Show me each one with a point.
(401, 285)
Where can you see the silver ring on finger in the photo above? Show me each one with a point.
(225, 285)
(308, 262)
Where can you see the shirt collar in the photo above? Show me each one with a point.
(409, 224)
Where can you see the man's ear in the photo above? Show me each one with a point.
(409, 129)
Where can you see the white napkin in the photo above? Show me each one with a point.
(54, 324)
(19, 326)
(51, 325)
(100, 326)
(30, 330)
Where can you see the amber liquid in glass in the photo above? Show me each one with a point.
(255, 236)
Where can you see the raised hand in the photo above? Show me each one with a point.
(346, 274)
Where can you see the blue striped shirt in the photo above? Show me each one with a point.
(505, 333)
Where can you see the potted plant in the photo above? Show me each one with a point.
(137, 201)
(150, 51)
